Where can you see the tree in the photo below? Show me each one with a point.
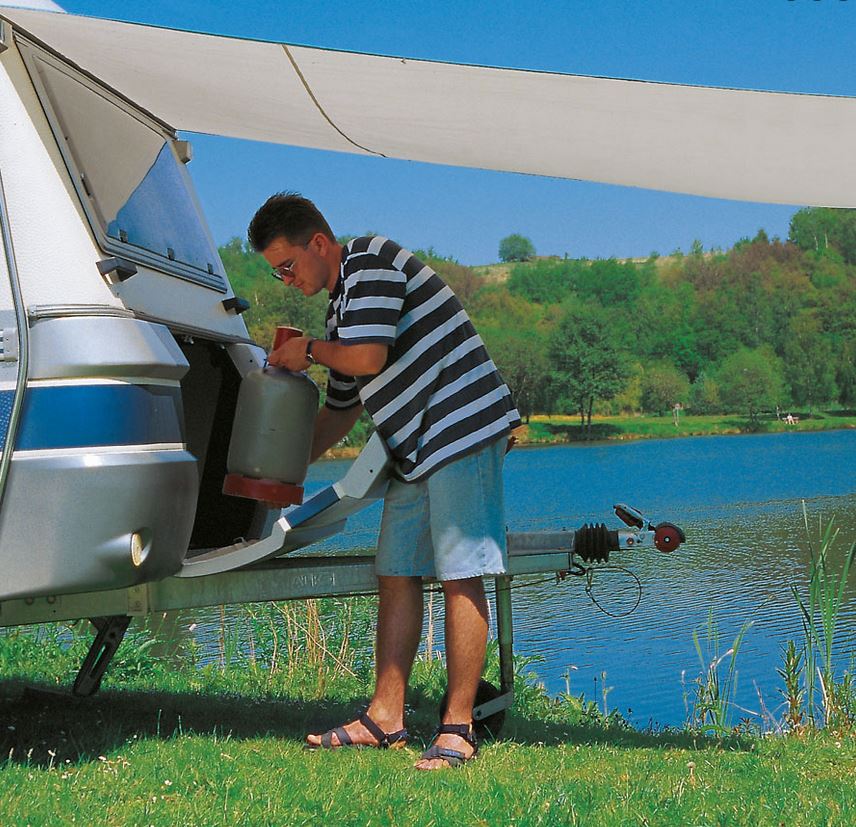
(846, 373)
(587, 365)
(819, 228)
(751, 380)
(663, 385)
(809, 362)
(704, 395)
(610, 282)
(516, 247)
(521, 357)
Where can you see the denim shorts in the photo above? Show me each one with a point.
(450, 526)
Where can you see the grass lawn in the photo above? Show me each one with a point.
(172, 744)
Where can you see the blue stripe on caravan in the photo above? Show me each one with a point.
(88, 416)
(6, 400)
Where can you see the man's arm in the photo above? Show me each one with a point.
(349, 360)
(330, 426)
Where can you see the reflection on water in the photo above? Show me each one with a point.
(739, 501)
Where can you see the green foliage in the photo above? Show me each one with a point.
(792, 673)
(520, 355)
(542, 282)
(715, 686)
(751, 381)
(464, 281)
(823, 230)
(704, 395)
(586, 364)
(516, 247)
(809, 361)
(845, 373)
(663, 386)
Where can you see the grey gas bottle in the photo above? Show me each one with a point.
(272, 436)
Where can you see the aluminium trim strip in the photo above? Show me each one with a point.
(62, 311)
(23, 342)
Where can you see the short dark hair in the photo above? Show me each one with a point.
(288, 215)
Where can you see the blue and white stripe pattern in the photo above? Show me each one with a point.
(440, 396)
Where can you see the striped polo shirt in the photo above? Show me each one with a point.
(439, 396)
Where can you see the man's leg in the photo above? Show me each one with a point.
(466, 642)
(468, 535)
(399, 628)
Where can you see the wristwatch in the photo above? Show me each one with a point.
(309, 357)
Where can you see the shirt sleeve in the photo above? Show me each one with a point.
(342, 391)
(372, 300)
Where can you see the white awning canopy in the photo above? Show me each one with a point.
(724, 143)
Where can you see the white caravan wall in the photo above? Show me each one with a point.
(55, 251)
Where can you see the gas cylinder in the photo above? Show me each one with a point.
(272, 434)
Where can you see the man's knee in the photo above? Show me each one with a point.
(396, 584)
(468, 587)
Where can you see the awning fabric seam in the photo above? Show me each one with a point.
(321, 109)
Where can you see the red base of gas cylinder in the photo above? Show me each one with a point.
(269, 491)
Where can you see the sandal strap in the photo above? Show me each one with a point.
(465, 731)
(453, 757)
(384, 739)
(341, 733)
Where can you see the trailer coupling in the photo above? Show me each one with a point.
(592, 543)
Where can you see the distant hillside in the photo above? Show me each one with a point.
(767, 325)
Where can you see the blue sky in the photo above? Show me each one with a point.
(782, 45)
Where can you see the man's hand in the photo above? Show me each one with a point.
(291, 354)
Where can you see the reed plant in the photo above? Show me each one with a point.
(820, 610)
(715, 686)
(792, 673)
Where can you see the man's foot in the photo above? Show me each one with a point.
(453, 746)
(363, 732)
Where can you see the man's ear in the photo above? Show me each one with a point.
(320, 243)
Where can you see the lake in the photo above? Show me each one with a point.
(739, 499)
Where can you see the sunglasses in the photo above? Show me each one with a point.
(285, 270)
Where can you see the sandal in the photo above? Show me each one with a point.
(385, 740)
(453, 757)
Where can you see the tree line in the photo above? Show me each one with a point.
(767, 324)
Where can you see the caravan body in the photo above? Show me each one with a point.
(122, 352)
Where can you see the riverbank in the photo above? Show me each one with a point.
(166, 743)
(549, 430)
(559, 430)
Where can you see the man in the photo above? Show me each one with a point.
(399, 344)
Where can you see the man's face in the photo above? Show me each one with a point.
(300, 265)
